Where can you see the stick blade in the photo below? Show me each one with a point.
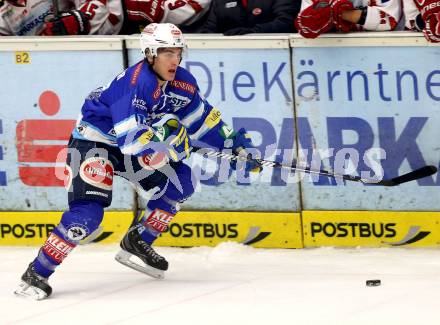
(411, 176)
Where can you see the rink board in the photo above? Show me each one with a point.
(33, 227)
(259, 229)
(371, 228)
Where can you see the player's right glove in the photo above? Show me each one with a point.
(315, 19)
(74, 22)
(241, 145)
(432, 28)
(338, 7)
(430, 16)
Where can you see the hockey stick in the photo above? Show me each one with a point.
(411, 176)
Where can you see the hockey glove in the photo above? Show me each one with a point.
(315, 19)
(241, 145)
(432, 28)
(74, 22)
(178, 143)
(338, 7)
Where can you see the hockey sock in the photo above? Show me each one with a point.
(156, 218)
(76, 224)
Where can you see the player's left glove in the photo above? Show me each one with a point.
(338, 7)
(74, 22)
(314, 20)
(241, 145)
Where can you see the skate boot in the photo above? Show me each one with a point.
(33, 285)
(132, 244)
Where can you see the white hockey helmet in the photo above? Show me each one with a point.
(155, 36)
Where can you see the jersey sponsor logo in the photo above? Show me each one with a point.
(57, 248)
(178, 101)
(213, 118)
(136, 72)
(183, 86)
(159, 220)
(139, 103)
(32, 25)
(156, 93)
(98, 172)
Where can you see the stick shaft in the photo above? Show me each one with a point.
(414, 175)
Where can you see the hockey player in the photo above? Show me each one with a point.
(140, 124)
(423, 16)
(320, 16)
(76, 17)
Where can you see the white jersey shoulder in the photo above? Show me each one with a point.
(106, 16)
(184, 12)
(411, 11)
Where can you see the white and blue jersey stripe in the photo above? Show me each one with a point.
(120, 113)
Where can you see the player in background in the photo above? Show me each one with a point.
(423, 16)
(188, 15)
(320, 16)
(141, 127)
(76, 17)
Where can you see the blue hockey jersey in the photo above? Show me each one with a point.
(121, 112)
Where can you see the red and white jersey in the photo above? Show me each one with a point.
(177, 12)
(411, 10)
(106, 17)
(382, 15)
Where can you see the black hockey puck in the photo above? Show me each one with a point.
(373, 283)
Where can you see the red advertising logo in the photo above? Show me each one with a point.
(39, 142)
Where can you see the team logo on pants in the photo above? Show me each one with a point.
(98, 172)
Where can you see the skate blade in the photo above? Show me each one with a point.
(123, 257)
(28, 291)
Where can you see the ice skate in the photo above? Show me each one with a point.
(132, 244)
(33, 285)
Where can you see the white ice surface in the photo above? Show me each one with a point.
(232, 284)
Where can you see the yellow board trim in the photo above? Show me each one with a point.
(189, 228)
(32, 228)
(371, 228)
